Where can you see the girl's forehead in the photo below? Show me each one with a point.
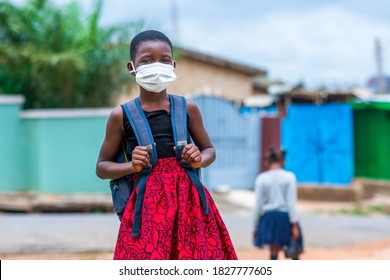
(154, 46)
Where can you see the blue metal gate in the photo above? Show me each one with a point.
(319, 143)
(236, 140)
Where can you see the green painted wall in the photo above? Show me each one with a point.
(12, 175)
(67, 151)
(372, 140)
(51, 151)
(32, 154)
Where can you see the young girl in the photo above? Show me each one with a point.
(275, 216)
(173, 224)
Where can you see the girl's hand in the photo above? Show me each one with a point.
(295, 231)
(140, 157)
(192, 155)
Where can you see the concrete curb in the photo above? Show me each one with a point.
(30, 203)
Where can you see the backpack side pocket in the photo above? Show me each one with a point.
(120, 191)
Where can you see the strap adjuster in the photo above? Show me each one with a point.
(146, 169)
(185, 164)
(180, 147)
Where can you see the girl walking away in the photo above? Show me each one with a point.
(170, 214)
(275, 215)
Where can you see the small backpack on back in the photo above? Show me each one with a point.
(121, 188)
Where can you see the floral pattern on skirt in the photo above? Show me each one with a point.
(173, 223)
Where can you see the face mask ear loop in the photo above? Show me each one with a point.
(132, 71)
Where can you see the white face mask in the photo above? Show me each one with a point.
(154, 77)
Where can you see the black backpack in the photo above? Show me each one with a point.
(122, 188)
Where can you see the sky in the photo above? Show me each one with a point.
(319, 42)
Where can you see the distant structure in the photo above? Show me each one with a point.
(374, 84)
(380, 80)
(174, 22)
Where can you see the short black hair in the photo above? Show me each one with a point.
(144, 36)
(275, 155)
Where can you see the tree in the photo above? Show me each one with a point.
(59, 58)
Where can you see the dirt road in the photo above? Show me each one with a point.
(376, 250)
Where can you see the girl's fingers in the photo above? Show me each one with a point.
(141, 150)
(190, 153)
(188, 156)
(141, 158)
(192, 157)
(187, 148)
(141, 155)
(197, 159)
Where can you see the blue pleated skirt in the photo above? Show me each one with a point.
(273, 228)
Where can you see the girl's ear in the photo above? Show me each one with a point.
(174, 64)
(130, 67)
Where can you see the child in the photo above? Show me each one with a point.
(275, 217)
(173, 223)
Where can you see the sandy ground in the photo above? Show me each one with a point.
(377, 250)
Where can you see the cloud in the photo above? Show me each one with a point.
(324, 45)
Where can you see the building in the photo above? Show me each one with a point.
(373, 84)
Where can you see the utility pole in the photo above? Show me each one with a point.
(174, 22)
(379, 63)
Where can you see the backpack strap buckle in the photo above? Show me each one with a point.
(185, 164)
(180, 146)
(146, 169)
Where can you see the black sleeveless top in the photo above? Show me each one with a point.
(161, 127)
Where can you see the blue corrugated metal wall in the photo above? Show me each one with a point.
(319, 143)
(236, 140)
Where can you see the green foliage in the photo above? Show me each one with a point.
(58, 57)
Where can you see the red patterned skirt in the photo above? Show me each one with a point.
(173, 223)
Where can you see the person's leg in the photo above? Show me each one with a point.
(274, 250)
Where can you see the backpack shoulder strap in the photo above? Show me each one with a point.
(180, 136)
(144, 136)
(179, 122)
(141, 127)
